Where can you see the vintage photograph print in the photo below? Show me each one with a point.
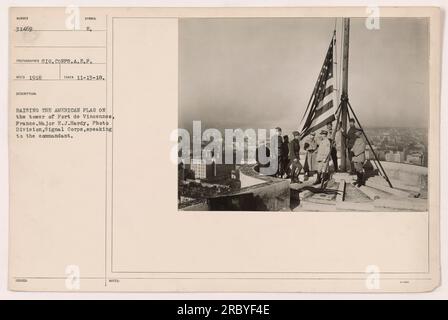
(303, 114)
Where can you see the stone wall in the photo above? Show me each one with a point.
(258, 193)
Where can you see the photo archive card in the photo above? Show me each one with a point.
(224, 149)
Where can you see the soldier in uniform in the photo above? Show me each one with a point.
(279, 150)
(350, 138)
(334, 152)
(323, 155)
(285, 157)
(310, 146)
(358, 152)
(294, 157)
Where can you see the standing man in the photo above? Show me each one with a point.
(359, 157)
(334, 152)
(310, 147)
(322, 157)
(285, 157)
(294, 157)
(351, 137)
(278, 150)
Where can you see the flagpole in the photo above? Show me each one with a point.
(344, 95)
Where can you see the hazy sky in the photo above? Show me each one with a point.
(259, 73)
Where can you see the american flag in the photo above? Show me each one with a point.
(322, 107)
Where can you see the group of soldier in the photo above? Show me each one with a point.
(320, 149)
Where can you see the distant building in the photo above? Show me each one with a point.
(370, 155)
(211, 171)
(397, 156)
(201, 169)
(415, 158)
(389, 156)
(224, 170)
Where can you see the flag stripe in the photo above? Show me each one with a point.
(321, 118)
(319, 125)
(328, 90)
(325, 100)
(323, 109)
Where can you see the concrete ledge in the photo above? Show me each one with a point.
(396, 192)
(264, 193)
(355, 206)
(273, 196)
(370, 192)
(409, 205)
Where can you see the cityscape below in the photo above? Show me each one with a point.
(198, 180)
(402, 145)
